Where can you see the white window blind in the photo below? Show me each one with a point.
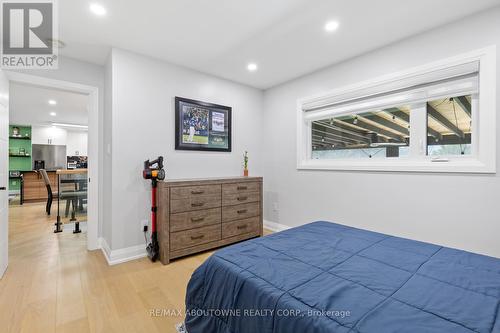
(455, 81)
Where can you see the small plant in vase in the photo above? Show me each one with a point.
(245, 164)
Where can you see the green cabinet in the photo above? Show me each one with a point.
(19, 152)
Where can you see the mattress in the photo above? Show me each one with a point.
(325, 277)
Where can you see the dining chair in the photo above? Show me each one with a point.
(50, 194)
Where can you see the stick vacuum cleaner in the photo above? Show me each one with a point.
(153, 170)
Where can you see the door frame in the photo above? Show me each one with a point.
(93, 143)
(4, 224)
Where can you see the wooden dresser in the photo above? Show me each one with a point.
(202, 214)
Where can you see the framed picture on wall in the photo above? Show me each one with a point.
(202, 126)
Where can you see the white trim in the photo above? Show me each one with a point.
(275, 227)
(114, 257)
(484, 128)
(3, 269)
(105, 249)
(93, 143)
(432, 71)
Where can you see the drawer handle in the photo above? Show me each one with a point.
(242, 211)
(197, 204)
(242, 188)
(197, 192)
(197, 237)
(244, 226)
(199, 219)
(242, 198)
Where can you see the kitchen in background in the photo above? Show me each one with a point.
(32, 148)
(48, 139)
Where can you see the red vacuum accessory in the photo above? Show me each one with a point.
(153, 170)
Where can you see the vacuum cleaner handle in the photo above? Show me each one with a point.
(148, 164)
(158, 161)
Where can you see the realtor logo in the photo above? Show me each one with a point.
(28, 34)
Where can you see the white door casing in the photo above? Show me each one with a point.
(93, 143)
(4, 171)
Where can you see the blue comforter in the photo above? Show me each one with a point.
(324, 277)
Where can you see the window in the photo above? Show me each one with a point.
(437, 118)
(376, 134)
(449, 126)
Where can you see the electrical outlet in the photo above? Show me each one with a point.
(144, 223)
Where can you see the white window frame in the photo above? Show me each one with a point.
(483, 157)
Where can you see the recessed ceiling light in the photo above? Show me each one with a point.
(252, 67)
(53, 114)
(98, 9)
(331, 26)
(52, 102)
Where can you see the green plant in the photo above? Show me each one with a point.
(245, 160)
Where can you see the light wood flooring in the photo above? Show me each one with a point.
(53, 284)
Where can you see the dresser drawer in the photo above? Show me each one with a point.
(240, 198)
(184, 239)
(194, 203)
(235, 228)
(237, 188)
(238, 212)
(195, 219)
(194, 191)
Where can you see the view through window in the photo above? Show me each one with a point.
(377, 134)
(449, 124)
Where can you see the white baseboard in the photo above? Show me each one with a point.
(119, 256)
(114, 257)
(3, 269)
(276, 227)
(2, 272)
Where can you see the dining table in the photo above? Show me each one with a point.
(72, 187)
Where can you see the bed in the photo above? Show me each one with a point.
(325, 277)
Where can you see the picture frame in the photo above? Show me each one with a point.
(202, 126)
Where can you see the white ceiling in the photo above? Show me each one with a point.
(29, 106)
(284, 37)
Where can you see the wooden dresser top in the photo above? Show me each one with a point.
(207, 181)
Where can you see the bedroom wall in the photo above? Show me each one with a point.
(143, 91)
(456, 210)
(106, 180)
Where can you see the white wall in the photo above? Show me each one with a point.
(450, 209)
(106, 178)
(143, 92)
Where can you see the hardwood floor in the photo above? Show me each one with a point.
(53, 284)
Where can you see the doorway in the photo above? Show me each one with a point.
(92, 162)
